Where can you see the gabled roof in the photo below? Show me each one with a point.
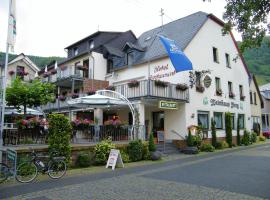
(26, 60)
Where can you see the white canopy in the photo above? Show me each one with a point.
(14, 111)
(96, 100)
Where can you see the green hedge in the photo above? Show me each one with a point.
(207, 148)
(135, 150)
(102, 151)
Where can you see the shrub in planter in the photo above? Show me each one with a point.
(213, 132)
(59, 135)
(197, 141)
(190, 139)
(238, 138)
(262, 138)
(253, 137)
(124, 156)
(246, 138)
(228, 124)
(160, 83)
(102, 151)
(207, 148)
(152, 146)
(84, 160)
(221, 145)
(135, 150)
(146, 152)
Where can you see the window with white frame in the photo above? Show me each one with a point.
(218, 118)
(203, 119)
(241, 121)
(215, 54)
(227, 57)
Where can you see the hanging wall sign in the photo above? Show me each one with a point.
(171, 105)
(207, 81)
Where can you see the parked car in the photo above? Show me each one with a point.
(266, 134)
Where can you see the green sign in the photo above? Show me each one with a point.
(11, 154)
(168, 105)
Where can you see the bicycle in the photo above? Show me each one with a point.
(55, 168)
(4, 172)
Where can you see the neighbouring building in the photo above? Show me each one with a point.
(139, 68)
(265, 92)
(256, 104)
(20, 66)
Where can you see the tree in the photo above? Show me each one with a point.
(28, 94)
(151, 144)
(249, 17)
(214, 134)
(238, 132)
(228, 124)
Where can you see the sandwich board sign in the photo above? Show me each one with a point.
(115, 159)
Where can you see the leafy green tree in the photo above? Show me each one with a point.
(28, 94)
(152, 146)
(238, 132)
(228, 124)
(214, 134)
(250, 17)
(59, 135)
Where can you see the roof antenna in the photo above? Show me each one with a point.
(161, 15)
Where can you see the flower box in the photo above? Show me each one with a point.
(74, 95)
(62, 98)
(11, 72)
(160, 83)
(46, 74)
(133, 83)
(219, 92)
(22, 73)
(54, 71)
(200, 88)
(242, 98)
(81, 67)
(110, 87)
(91, 92)
(181, 87)
(231, 95)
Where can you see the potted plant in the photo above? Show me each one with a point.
(53, 71)
(219, 92)
(191, 142)
(74, 95)
(133, 83)
(181, 87)
(11, 72)
(110, 87)
(160, 83)
(231, 95)
(91, 92)
(155, 155)
(200, 88)
(62, 98)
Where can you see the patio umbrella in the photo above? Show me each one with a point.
(96, 100)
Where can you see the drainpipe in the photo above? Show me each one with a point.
(92, 81)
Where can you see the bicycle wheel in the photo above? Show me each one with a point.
(26, 172)
(4, 172)
(57, 169)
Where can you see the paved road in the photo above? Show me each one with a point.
(237, 174)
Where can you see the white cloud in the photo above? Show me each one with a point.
(46, 27)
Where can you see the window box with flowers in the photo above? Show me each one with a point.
(219, 92)
(91, 92)
(54, 71)
(200, 88)
(133, 83)
(22, 73)
(11, 72)
(81, 124)
(181, 87)
(242, 98)
(110, 87)
(46, 74)
(81, 67)
(74, 95)
(62, 98)
(231, 95)
(160, 83)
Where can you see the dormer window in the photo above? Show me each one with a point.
(76, 51)
(91, 44)
(129, 58)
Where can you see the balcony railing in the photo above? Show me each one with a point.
(149, 88)
(69, 72)
(145, 88)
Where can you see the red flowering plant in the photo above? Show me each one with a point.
(22, 123)
(91, 92)
(80, 124)
(11, 72)
(33, 122)
(115, 121)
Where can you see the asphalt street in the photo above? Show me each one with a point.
(236, 174)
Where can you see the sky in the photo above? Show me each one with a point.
(46, 27)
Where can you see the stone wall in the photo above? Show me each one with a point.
(97, 85)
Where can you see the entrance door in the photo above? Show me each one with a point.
(158, 124)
